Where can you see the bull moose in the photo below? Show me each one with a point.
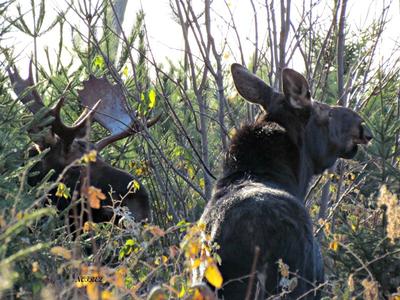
(258, 201)
(66, 146)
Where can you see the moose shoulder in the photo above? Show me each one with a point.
(66, 146)
(258, 202)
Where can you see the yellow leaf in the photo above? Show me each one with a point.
(334, 245)
(164, 259)
(327, 228)
(283, 268)
(20, 215)
(106, 295)
(350, 282)
(92, 291)
(134, 185)
(214, 276)
(197, 295)
(139, 171)
(201, 183)
(94, 196)
(99, 61)
(202, 226)
(190, 171)
(60, 251)
(120, 277)
(125, 71)
(193, 249)
(196, 263)
(182, 292)
(35, 266)
(88, 226)
(63, 191)
(152, 99)
(90, 157)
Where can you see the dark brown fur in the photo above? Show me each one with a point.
(111, 181)
(259, 199)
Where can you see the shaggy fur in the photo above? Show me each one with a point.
(259, 200)
(111, 181)
(253, 206)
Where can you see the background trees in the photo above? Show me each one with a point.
(178, 160)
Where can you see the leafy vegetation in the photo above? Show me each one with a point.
(354, 205)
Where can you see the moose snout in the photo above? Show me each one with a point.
(365, 134)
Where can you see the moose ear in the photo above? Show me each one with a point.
(296, 89)
(251, 87)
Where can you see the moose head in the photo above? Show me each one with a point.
(324, 133)
(106, 104)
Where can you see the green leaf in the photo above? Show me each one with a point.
(130, 243)
(98, 61)
(152, 99)
(125, 71)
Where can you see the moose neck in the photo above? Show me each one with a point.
(264, 151)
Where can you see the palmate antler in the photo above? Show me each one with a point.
(29, 96)
(113, 113)
(103, 101)
(24, 89)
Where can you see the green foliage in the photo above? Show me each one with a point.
(37, 255)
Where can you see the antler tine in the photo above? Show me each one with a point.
(153, 121)
(90, 111)
(130, 131)
(69, 133)
(21, 86)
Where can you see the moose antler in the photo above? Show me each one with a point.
(24, 89)
(113, 113)
(29, 96)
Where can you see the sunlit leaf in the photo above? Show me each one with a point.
(89, 157)
(283, 268)
(63, 191)
(60, 251)
(35, 266)
(196, 263)
(125, 71)
(99, 62)
(214, 276)
(152, 99)
(107, 295)
(120, 275)
(201, 183)
(197, 295)
(134, 185)
(94, 196)
(92, 291)
(182, 292)
(334, 245)
(88, 226)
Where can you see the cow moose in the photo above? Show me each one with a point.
(258, 202)
(66, 145)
